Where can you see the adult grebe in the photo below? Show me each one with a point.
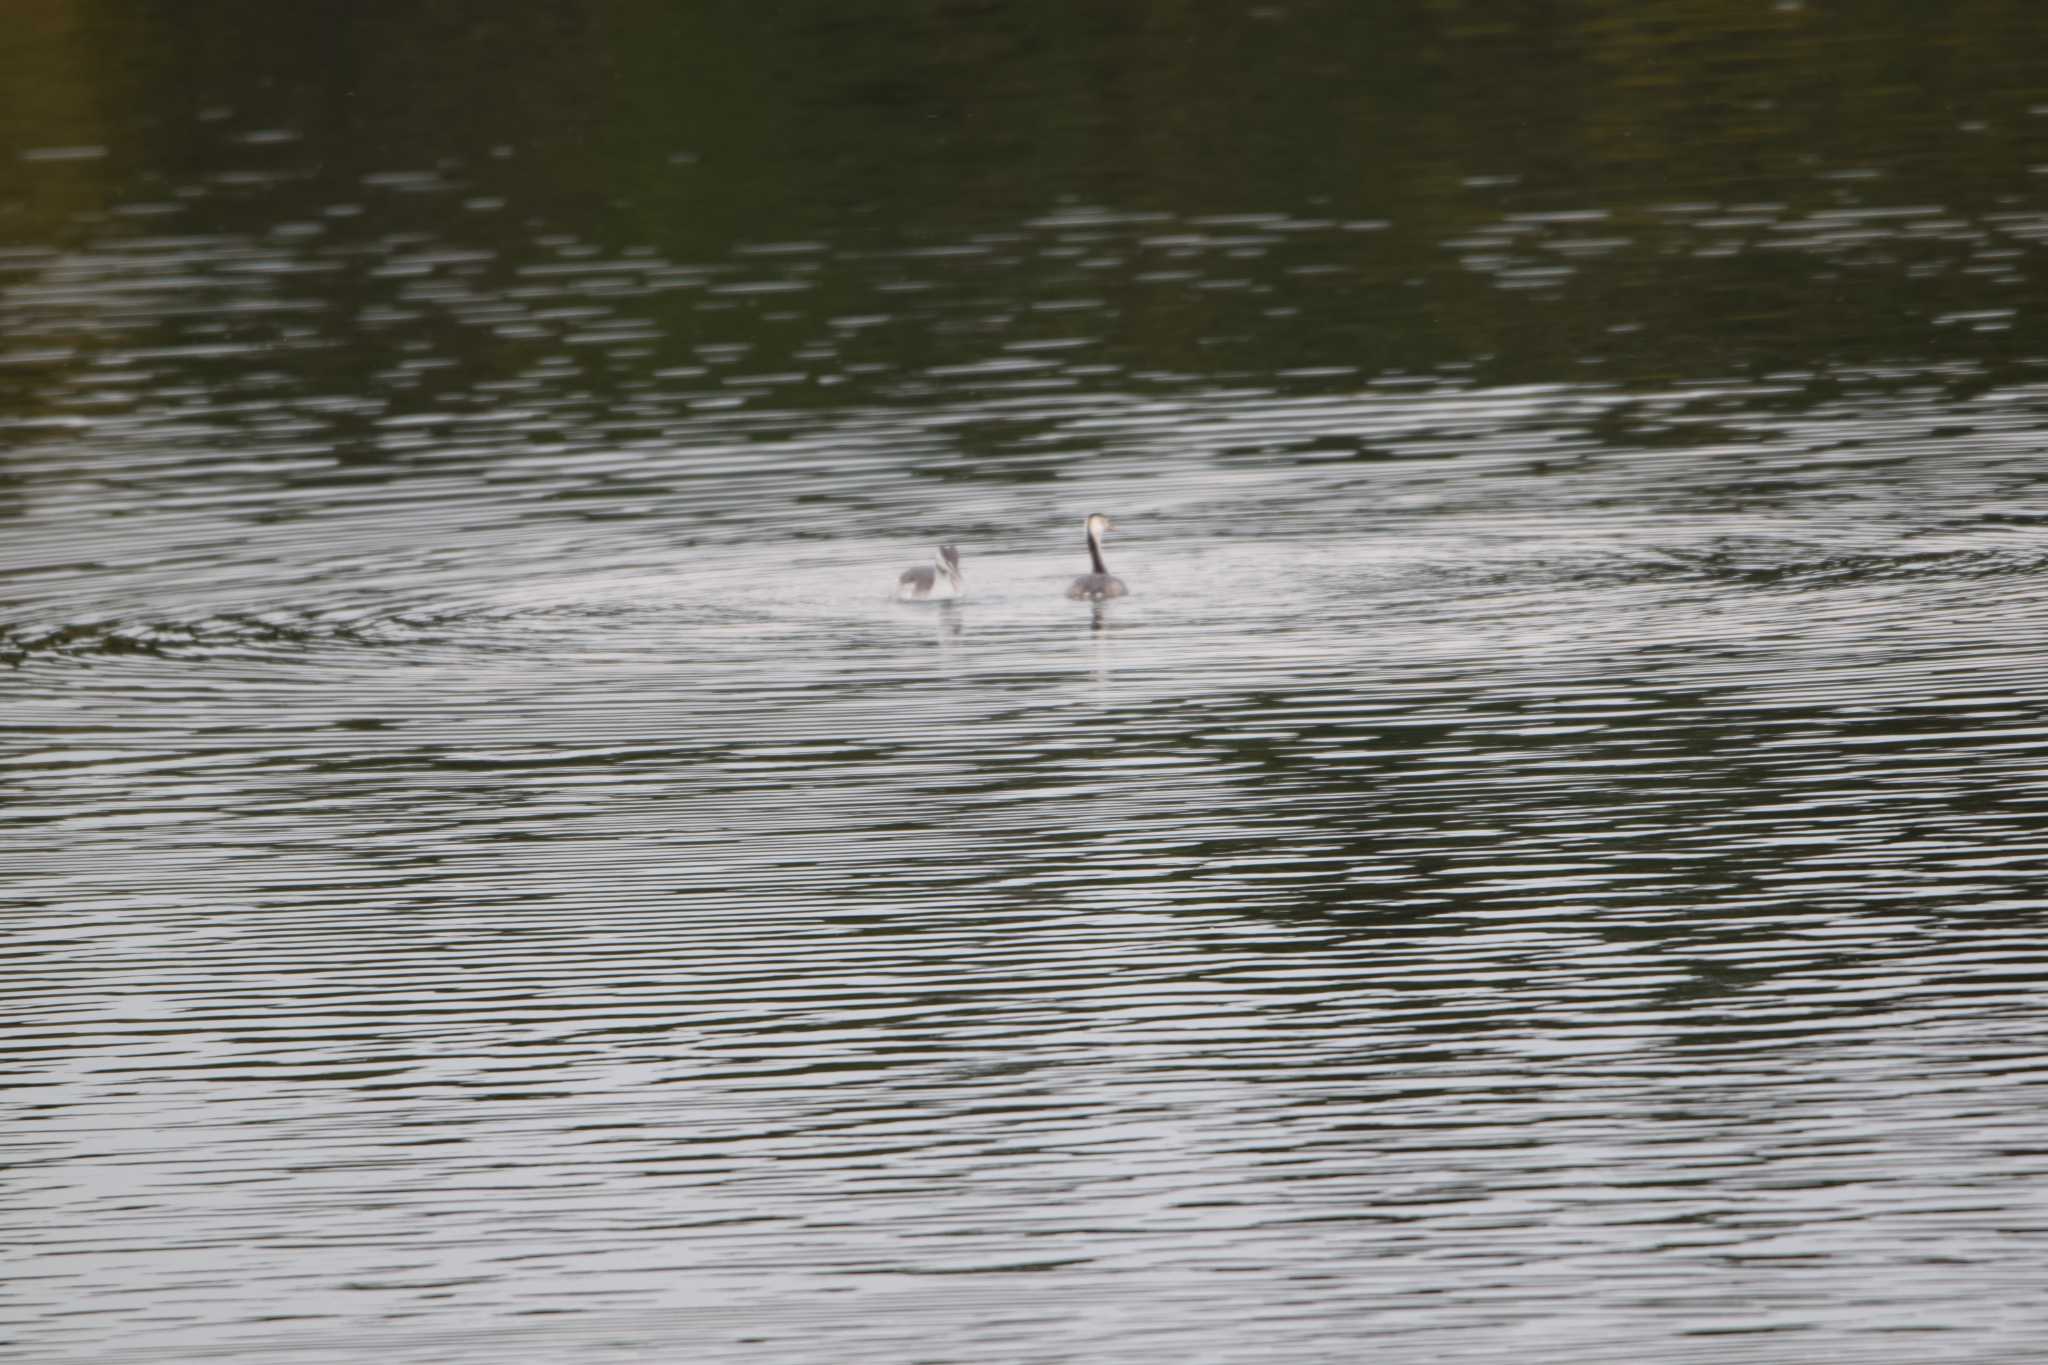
(936, 580)
(1093, 587)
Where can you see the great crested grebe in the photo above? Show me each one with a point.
(1093, 587)
(935, 581)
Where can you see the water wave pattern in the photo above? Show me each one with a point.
(1540, 868)
(1542, 871)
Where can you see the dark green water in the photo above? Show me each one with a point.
(1547, 864)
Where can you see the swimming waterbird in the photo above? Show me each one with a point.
(1093, 587)
(935, 581)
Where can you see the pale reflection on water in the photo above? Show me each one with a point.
(1547, 863)
(1435, 901)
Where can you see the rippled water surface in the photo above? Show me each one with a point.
(1547, 864)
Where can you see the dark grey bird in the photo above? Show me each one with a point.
(935, 581)
(1093, 587)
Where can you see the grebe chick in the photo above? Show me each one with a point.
(1093, 587)
(935, 581)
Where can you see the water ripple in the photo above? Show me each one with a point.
(1541, 864)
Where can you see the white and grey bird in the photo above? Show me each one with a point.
(935, 581)
(1093, 587)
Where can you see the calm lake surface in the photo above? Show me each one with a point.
(1548, 864)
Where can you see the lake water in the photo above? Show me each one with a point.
(1548, 863)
